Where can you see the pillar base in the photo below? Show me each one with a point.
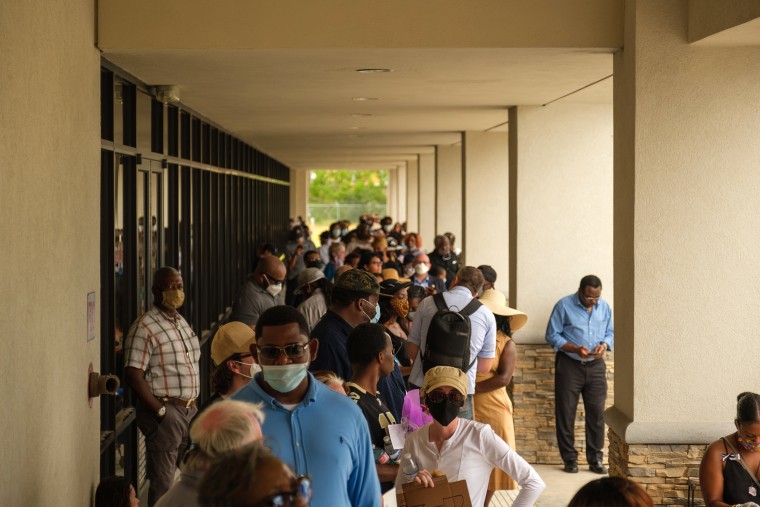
(662, 469)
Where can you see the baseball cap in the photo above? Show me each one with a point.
(358, 280)
(308, 275)
(231, 338)
(441, 376)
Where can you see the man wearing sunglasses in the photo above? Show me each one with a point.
(461, 448)
(314, 430)
(262, 290)
(580, 331)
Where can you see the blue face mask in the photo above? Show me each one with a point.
(284, 378)
(376, 318)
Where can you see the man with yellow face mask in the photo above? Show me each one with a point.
(161, 366)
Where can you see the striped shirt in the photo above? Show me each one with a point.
(167, 351)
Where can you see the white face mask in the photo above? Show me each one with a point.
(252, 369)
(421, 269)
(273, 288)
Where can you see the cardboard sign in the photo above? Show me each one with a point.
(444, 494)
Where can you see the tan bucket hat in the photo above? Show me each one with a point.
(497, 303)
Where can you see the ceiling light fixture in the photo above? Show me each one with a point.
(359, 99)
(373, 71)
(357, 128)
(361, 115)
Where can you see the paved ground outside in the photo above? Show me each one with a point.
(560, 488)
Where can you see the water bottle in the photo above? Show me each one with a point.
(388, 446)
(409, 468)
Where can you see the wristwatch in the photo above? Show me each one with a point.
(161, 412)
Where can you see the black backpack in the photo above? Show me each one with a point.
(448, 337)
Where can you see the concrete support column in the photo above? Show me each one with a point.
(392, 194)
(560, 205)
(686, 237)
(299, 194)
(560, 230)
(427, 198)
(448, 180)
(412, 196)
(401, 194)
(485, 202)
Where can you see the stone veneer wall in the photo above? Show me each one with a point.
(663, 470)
(533, 400)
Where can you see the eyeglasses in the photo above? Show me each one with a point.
(301, 492)
(272, 352)
(454, 397)
(273, 280)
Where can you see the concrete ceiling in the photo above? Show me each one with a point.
(298, 105)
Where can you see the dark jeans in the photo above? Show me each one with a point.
(165, 444)
(571, 380)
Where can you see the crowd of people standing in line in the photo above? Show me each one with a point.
(317, 359)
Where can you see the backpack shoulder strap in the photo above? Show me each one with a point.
(440, 303)
(471, 307)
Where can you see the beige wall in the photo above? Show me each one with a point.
(561, 197)
(427, 198)
(402, 194)
(189, 24)
(448, 167)
(686, 187)
(49, 258)
(299, 197)
(392, 193)
(412, 197)
(485, 166)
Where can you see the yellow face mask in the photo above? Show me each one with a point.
(173, 299)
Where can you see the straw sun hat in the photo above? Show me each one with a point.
(497, 303)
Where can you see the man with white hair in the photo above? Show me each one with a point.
(222, 427)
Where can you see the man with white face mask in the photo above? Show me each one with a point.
(235, 367)
(313, 429)
(161, 366)
(262, 290)
(422, 278)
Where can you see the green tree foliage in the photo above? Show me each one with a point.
(348, 187)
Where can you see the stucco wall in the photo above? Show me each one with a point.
(688, 235)
(562, 164)
(485, 160)
(427, 198)
(413, 198)
(448, 161)
(49, 257)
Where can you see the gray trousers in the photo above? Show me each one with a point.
(165, 445)
(571, 380)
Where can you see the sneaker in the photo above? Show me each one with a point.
(571, 467)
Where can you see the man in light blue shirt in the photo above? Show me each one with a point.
(466, 285)
(580, 331)
(313, 429)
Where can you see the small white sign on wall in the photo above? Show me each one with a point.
(90, 316)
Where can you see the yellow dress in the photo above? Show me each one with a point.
(495, 409)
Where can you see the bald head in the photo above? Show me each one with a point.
(272, 267)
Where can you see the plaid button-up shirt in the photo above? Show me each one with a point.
(167, 351)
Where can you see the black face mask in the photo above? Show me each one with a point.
(443, 412)
(315, 264)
